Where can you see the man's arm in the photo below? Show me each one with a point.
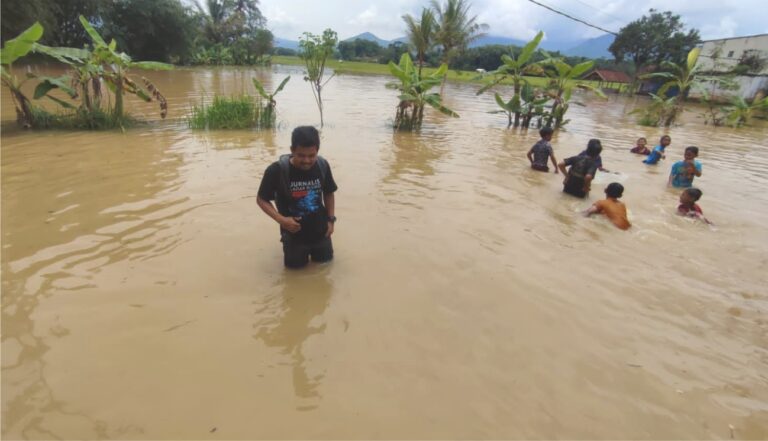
(530, 155)
(329, 199)
(287, 223)
(671, 177)
(561, 166)
(587, 183)
(554, 161)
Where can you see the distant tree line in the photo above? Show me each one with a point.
(207, 32)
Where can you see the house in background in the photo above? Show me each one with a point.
(745, 58)
(609, 79)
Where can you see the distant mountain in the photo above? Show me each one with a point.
(286, 44)
(593, 48)
(496, 39)
(370, 37)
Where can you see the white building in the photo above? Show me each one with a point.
(745, 57)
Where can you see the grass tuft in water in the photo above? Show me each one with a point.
(236, 112)
(80, 119)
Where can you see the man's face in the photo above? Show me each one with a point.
(665, 141)
(689, 155)
(304, 157)
(685, 198)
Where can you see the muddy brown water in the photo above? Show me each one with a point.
(143, 294)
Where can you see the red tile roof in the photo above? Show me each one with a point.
(609, 76)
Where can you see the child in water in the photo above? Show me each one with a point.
(688, 206)
(541, 151)
(683, 172)
(658, 151)
(611, 207)
(640, 147)
(583, 168)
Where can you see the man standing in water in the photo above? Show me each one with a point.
(303, 188)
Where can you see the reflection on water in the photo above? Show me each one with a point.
(143, 294)
(293, 315)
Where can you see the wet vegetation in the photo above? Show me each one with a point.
(92, 94)
(94, 72)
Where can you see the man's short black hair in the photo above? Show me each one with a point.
(594, 148)
(305, 136)
(694, 193)
(692, 149)
(614, 190)
(546, 131)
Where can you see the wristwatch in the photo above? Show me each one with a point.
(332, 219)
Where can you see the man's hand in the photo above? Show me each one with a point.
(556, 170)
(330, 229)
(290, 224)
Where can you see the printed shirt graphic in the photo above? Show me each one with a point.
(305, 198)
(682, 177)
(541, 151)
(655, 155)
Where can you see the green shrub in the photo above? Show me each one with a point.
(236, 112)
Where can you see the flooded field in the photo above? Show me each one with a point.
(143, 293)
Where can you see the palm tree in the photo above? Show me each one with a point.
(456, 29)
(421, 34)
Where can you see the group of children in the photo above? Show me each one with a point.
(579, 171)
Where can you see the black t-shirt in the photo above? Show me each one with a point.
(305, 199)
(581, 166)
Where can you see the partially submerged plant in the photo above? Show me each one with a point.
(12, 51)
(529, 103)
(268, 115)
(516, 70)
(414, 93)
(560, 89)
(315, 50)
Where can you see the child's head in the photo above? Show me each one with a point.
(546, 133)
(691, 152)
(641, 142)
(690, 196)
(594, 148)
(305, 143)
(665, 141)
(614, 190)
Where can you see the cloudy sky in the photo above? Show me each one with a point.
(513, 18)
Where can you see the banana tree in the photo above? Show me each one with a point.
(661, 111)
(741, 112)
(414, 93)
(526, 104)
(683, 77)
(515, 69)
(114, 69)
(12, 51)
(561, 85)
(268, 112)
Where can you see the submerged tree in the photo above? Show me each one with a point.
(516, 69)
(267, 116)
(414, 93)
(679, 76)
(13, 50)
(315, 50)
(560, 89)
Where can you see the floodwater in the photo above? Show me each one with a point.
(143, 294)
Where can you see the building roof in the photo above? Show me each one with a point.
(733, 38)
(610, 76)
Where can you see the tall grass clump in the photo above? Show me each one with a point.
(236, 112)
